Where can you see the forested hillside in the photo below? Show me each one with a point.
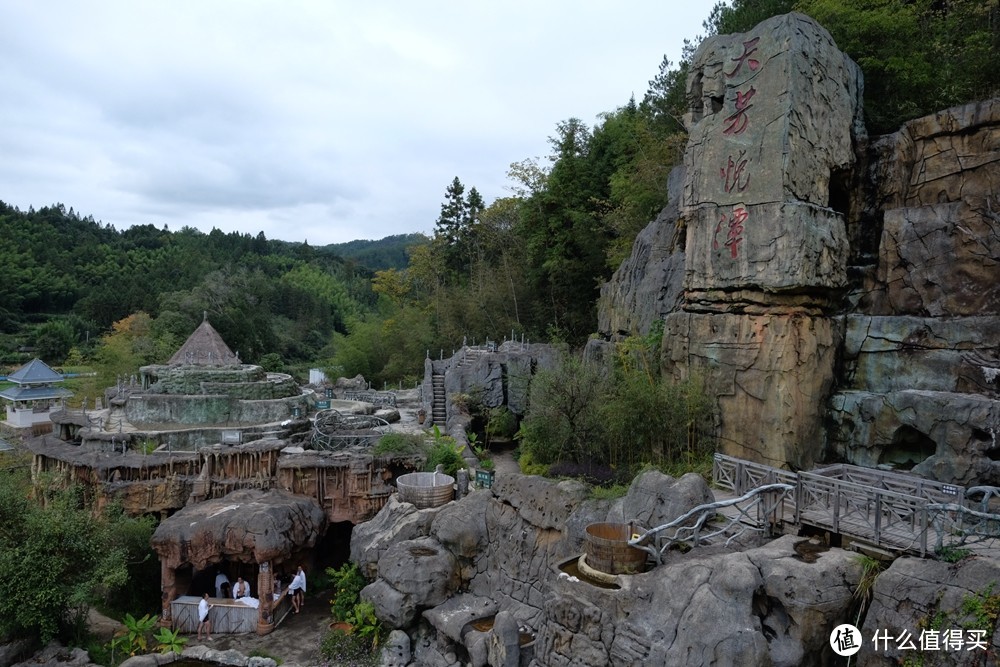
(69, 279)
(391, 252)
(531, 263)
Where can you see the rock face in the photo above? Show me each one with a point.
(840, 295)
(774, 117)
(502, 549)
(919, 387)
(915, 596)
(650, 283)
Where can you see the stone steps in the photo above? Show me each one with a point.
(439, 410)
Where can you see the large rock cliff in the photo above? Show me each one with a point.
(838, 294)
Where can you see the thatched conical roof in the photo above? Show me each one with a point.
(204, 347)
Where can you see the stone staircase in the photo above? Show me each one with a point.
(439, 407)
(439, 410)
(472, 355)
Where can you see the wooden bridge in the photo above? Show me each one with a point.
(892, 511)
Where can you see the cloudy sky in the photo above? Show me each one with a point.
(324, 121)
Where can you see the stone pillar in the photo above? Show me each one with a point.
(774, 115)
(265, 593)
(168, 588)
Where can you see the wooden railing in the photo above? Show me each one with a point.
(883, 508)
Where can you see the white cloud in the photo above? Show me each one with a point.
(309, 119)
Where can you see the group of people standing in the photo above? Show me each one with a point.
(296, 590)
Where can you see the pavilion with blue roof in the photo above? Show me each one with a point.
(34, 395)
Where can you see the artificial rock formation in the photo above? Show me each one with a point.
(264, 528)
(498, 553)
(496, 377)
(774, 115)
(840, 295)
(919, 387)
(915, 595)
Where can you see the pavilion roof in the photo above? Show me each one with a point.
(248, 525)
(35, 371)
(204, 347)
(34, 393)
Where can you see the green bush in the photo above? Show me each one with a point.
(500, 423)
(58, 558)
(564, 421)
(618, 418)
(446, 452)
(347, 582)
(399, 444)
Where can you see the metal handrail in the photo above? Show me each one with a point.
(687, 532)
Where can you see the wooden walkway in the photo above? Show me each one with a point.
(891, 511)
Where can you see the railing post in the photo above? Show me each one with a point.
(836, 508)
(878, 519)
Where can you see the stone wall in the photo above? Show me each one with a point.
(201, 409)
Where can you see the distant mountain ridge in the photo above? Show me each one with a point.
(385, 253)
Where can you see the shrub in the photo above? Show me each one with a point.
(400, 444)
(564, 422)
(529, 466)
(347, 582)
(446, 452)
(59, 557)
(500, 423)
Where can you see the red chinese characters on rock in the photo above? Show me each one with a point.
(735, 175)
(749, 48)
(737, 122)
(733, 225)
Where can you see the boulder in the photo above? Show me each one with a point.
(395, 650)
(460, 528)
(57, 655)
(503, 642)
(420, 573)
(654, 499)
(396, 521)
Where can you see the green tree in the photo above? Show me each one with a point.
(918, 56)
(53, 341)
(56, 558)
(564, 421)
(129, 346)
